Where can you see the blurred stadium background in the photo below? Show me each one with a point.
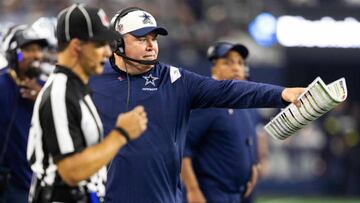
(322, 162)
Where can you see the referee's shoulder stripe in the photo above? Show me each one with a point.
(58, 107)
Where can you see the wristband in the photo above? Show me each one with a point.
(123, 132)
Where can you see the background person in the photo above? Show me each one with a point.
(19, 86)
(220, 159)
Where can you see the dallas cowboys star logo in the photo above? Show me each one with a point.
(150, 79)
(146, 19)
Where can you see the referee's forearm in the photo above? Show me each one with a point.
(81, 166)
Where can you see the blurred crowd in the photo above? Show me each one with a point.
(322, 157)
(193, 25)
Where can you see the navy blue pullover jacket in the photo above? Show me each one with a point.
(222, 145)
(148, 169)
(15, 119)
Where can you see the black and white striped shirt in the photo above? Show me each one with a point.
(65, 121)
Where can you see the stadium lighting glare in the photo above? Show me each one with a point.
(262, 29)
(297, 31)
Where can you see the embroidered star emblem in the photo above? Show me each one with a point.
(119, 27)
(146, 19)
(150, 79)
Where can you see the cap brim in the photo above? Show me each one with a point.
(241, 49)
(108, 35)
(42, 42)
(146, 30)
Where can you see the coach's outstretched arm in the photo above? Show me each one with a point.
(204, 92)
(81, 166)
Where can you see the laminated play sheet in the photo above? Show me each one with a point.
(317, 99)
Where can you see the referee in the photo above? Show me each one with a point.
(66, 150)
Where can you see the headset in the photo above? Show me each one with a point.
(17, 37)
(11, 47)
(118, 46)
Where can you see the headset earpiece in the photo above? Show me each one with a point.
(118, 46)
(19, 55)
(13, 53)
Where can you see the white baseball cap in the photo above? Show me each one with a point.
(138, 23)
(46, 27)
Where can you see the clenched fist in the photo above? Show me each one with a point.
(292, 94)
(133, 122)
(29, 89)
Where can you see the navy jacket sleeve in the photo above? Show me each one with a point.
(207, 92)
(199, 122)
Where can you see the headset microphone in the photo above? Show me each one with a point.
(144, 62)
